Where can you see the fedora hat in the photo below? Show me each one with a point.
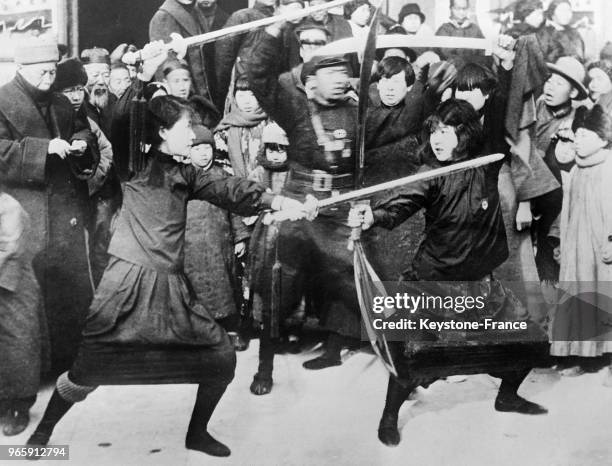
(572, 70)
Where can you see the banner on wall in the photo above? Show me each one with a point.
(20, 19)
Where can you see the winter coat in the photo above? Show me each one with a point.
(570, 40)
(96, 182)
(53, 191)
(186, 21)
(582, 323)
(454, 30)
(465, 238)
(263, 254)
(386, 125)
(103, 118)
(210, 263)
(23, 327)
(338, 27)
(238, 139)
(240, 47)
(549, 44)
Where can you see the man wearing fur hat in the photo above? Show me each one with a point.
(104, 187)
(46, 154)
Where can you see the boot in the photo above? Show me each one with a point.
(397, 393)
(16, 422)
(508, 400)
(198, 437)
(331, 356)
(56, 409)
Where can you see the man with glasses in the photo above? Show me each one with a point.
(309, 36)
(104, 186)
(459, 25)
(46, 153)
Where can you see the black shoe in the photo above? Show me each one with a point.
(207, 444)
(387, 432)
(517, 404)
(16, 422)
(322, 362)
(261, 385)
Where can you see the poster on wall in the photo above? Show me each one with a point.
(20, 19)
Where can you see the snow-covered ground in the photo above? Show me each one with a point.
(331, 417)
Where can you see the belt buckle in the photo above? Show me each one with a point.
(321, 181)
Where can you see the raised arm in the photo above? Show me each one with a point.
(226, 52)
(263, 71)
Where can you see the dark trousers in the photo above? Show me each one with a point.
(314, 256)
(548, 208)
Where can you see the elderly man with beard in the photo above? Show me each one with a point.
(100, 100)
(99, 106)
(46, 154)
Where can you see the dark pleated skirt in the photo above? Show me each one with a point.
(146, 327)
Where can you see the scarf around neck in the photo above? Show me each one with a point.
(238, 118)
(594, 159)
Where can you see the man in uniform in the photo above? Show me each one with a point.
(320, 122)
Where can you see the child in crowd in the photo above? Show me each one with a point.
(582, 325)
(214, 239)
(271, 171)
(238, 136)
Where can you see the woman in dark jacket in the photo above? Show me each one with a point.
(144, 325)
(464, 242)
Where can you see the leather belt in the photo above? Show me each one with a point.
(321, 181)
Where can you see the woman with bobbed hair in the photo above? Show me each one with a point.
(144, 325)
(464, 241)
